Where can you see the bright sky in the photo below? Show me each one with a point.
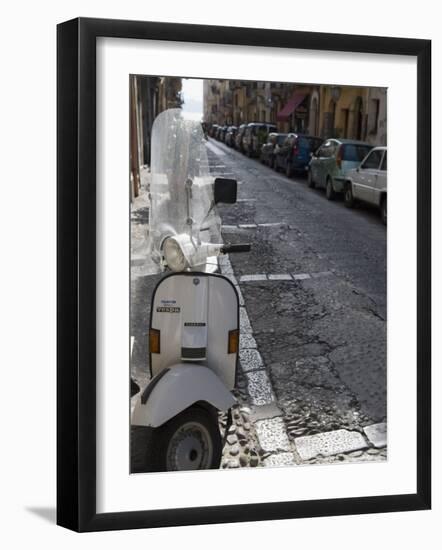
(193, 98)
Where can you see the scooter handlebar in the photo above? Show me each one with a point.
(230, 248)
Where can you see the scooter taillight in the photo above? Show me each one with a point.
(233, 341)
(154, 341)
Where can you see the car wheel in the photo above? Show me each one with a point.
(349, 199)
(288, 170)
(329, 191)
(310, 180)
(384, 210)
(189, 441)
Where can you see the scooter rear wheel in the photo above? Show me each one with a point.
(189, 441)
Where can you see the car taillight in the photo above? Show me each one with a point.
(339, 158)
(233, 345)
(154, 340)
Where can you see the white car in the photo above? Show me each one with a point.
(368, 182)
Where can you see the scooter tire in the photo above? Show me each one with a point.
(204, 423)
(140, 440)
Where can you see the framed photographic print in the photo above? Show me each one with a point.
(243, 322)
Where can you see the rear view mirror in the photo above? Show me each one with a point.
(225, 190)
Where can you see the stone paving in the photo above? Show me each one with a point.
(292, 427)
(269, 438)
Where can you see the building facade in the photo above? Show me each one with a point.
(354, 113)
(324, 111)
(149, 96)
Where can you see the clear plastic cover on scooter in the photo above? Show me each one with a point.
(181, 190)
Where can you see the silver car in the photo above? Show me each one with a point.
(368, 182)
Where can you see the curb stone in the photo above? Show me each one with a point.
(329, 443)
(377, 434)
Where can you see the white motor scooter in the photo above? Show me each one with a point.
(194, 317)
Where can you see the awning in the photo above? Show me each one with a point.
(291, 105)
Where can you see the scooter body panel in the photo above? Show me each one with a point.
(178, 388)
(194, 313)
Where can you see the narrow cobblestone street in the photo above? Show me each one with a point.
(312, 384)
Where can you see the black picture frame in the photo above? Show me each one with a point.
(76, 273)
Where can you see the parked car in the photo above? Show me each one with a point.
(221, 133)
(255, 136)
(239, 136)
(294, 154)
(268, 150)
(330, 164)
(213, 130)
(368, 182)
(230, 135)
